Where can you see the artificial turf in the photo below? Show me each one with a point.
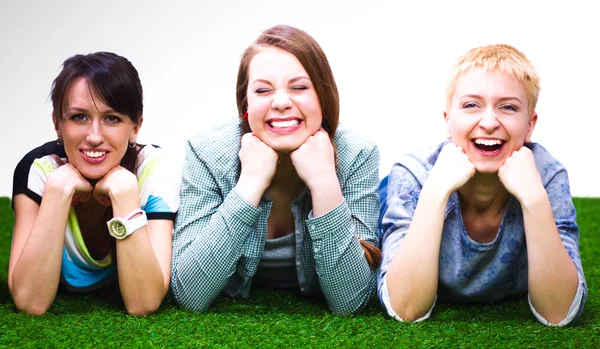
(283, 319)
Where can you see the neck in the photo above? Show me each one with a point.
(285, 182)
(483, 193)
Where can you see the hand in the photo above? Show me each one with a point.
(118, 182)
(314, 160)
(68, 177)
(452, 169)
(519, 174)
(259, 162)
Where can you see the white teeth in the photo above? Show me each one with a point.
(488, 141)
(94, 154)
(284, 124)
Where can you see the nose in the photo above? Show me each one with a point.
(489, 120)
(94, 135)
(282, 100)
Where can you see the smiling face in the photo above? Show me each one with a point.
(283, 106)
(95, 137)
(488, 117)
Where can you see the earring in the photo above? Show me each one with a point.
(133, 144)
(246, 116)
(59, 141)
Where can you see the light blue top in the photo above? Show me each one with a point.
(471, 271)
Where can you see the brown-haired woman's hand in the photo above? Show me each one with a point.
(314, 161)
(259, 163)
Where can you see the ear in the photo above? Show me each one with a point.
(448, 128)
(56, 126)
(136, 129)
(531, 126)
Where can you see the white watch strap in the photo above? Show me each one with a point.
(137, 222)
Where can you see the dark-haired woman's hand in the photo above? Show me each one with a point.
(259, 163)
(117, 184)
(68, 179)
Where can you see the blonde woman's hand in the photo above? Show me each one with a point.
(452, 169)
(520, 176)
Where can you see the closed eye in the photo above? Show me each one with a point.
(261, 90)
(300, 88)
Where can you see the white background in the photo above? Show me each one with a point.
(390, 60)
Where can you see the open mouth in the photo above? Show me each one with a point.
(488, 145)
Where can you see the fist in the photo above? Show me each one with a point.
(314, 160)
(452, 169)
(519, 174)
(258, 160)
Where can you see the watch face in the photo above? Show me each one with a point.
(118, 229)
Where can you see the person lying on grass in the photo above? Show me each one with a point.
(488, 214)
(280, 197)
(93, 206)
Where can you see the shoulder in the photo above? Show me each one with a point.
(420, 162)
(547, 165)
(352, 148)
(49, 148)
(219, 144)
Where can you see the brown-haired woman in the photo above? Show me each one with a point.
(94, 205)
(283, 197)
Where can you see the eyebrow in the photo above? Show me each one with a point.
(264, 81)
(83, 110)
(509, 98)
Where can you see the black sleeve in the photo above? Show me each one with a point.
(21, 175)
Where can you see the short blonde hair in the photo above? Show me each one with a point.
(504, 58)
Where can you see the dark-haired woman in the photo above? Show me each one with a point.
(93, 206)
(280, 197)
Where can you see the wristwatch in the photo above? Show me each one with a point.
(120, 228)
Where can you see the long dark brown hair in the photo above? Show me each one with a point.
(306, 49)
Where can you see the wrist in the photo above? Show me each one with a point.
(533, 197)
(122, 227)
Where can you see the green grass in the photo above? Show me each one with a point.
(287, 320)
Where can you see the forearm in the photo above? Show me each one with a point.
(553, 278)
(208, 253)
(412, 277)
(346, 279)
(36, 274)
(142, 283)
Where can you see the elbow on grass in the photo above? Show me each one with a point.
(35, 308)
(142, 309)
(409, 314)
